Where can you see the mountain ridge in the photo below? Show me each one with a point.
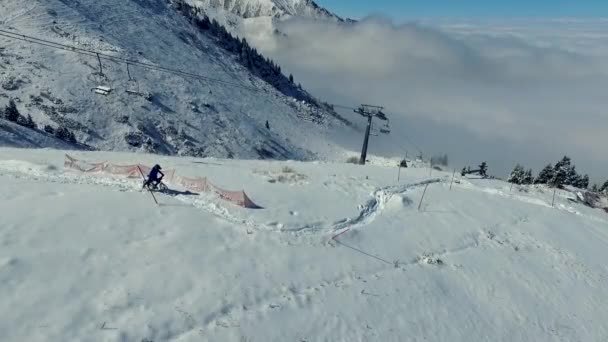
(268, 8)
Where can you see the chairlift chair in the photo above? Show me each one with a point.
(101, 80)
(132, 85)
(133, 88)
(386, 128)
(102, 90)
(373, 132)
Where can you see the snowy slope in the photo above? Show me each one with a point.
(181, 116)
(14, 135)
(90, 258)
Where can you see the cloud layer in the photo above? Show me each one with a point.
(515, 91)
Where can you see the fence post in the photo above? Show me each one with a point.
(399, 174)
(422, 198)
(553, 202)
(144, 178)
(453, 174)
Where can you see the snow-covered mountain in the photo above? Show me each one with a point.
(258, 20)
(224, 114)
(268, 8)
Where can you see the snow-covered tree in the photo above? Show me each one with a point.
(517, 175)
(290, 78)
(562, 170)
(29, 122)
(11, 113)
(604, 187)
(573, 177)
(528, 177)
(65, 134)
(582, 182)
(595, 188)
(545, 176)
(49, 129)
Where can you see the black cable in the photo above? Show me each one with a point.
(92, 53)
(120, 60)
(344, 107)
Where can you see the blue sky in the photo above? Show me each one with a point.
(408, 9)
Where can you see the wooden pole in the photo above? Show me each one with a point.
(144, 178)
(553, 202)
(422, 198)
(399, 174)
(453, 175)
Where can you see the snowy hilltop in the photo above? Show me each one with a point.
(267, 8)
(339, 252)
(258, 20)
(226, 100)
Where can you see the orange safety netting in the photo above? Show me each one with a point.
(133, 171)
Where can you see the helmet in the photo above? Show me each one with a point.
(157, 167)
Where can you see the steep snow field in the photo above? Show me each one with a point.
(91, 258)
(181, 116)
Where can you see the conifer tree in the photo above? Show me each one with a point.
(604, 187)
(545, 175)
(517, 175)
(11, 113)
(528, 177)
(573, 177)
(583, 182)
(29, 122)
(562, 171)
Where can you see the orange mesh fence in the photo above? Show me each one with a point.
(237, 197)
(201, 184)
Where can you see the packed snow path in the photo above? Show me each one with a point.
(81, 261)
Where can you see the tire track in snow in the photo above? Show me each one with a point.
(368, 212)
(377, 204)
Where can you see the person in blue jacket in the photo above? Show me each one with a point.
(153, 178)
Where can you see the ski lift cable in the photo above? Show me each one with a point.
(344, 107)
(91, 53)
(115, 59)
(129, 62)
